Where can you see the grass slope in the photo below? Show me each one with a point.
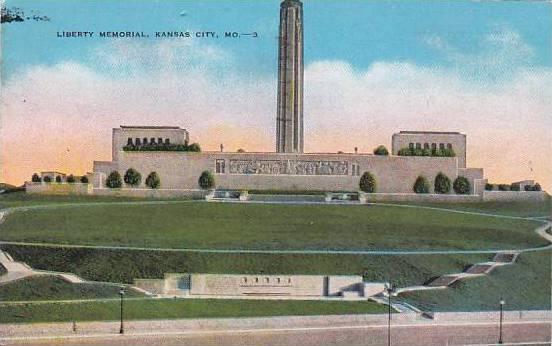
(54, 288)
(524, 286)
(127, 265)
(255, 226)
(180, 308)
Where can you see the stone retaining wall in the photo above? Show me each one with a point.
(58, 188)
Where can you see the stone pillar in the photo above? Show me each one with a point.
(289, 121)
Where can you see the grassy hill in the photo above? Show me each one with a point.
(260, 226)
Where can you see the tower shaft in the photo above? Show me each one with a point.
(289, 121)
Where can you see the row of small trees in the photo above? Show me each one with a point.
(132, 178)
(441, 185)
(71, 179)
(513, 187)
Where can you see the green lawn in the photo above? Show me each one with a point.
(524, 286)
(54, 288)
(256, 226)
(127, 265)
(179, 308)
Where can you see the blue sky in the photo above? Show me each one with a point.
(360, 32)
(372, 68)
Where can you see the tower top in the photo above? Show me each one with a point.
(286, 3)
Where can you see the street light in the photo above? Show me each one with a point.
(502, 302)
(389, 290)
(122, 294)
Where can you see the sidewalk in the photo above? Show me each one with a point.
(91, 329)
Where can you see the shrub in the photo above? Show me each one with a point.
(194, 147)
(537, 187)
(113, 180)
(461, 186)
(421, 185)
(84, 179)
(381, 150)
(153, 180)
(58, 179)
(206, 180)
(404, 152)
(368, 182)
(503, 187)
(240, 150)
(442, 183)
(489, 187)
(528, 188)
(515, 187)
(47, 179)
(132, 177)
(426, 152)
(71, 178)
(36, 178)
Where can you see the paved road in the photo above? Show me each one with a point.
(533, 333)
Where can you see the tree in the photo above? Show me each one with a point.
(113, 180)
(515, 187)
(240, 150)
(58, 179)
(71, 179)
(489, 187)
(537, 187)
(503, 187)
(367, 182)
(153, 180)
(132, 177)
(461, 186)
(84, 179)
(442, 183)
(36, 178)
(206, 180)
(381, 150)
(47, 179)
(421, 185)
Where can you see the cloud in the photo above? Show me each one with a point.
(73, 105)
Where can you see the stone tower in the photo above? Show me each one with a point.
(289, 121)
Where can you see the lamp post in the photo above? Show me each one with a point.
(502, 302)
(122, 294)
(389, 290)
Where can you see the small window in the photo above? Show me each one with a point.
(426, 145)
(167, 141)
(145, 140)
(278, 280)
(441, 146)
(138, 141)
(129, 141)
(410, 145)
(289, 280)
(244, 280)
(433, 146)
(256, 279)
(418, 145)
(152, 140)
(267, 280)
(220, 166)
(160, 140)
(449, 146)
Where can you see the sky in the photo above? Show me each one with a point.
(372, 68)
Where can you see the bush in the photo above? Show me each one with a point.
(442, 183)
(206, 180)
(132, 177)
(36, 178)
(421, 185)
(461, 186)
(489, 187)
(503, 187)
(528, 188)
(194, 147)
(381, 150)
(537, 187)
(240, 150)
(113, 180)
(58, 179)
(71, 179)
(84, 179)
(153, 180)
(367, 183)
(515, 187)
(404, 152)
(47, 179)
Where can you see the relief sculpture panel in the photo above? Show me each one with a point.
(291, 167)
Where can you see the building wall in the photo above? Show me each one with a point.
(457, 140)
(181, 170)
(121, 135)
(58, 189)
